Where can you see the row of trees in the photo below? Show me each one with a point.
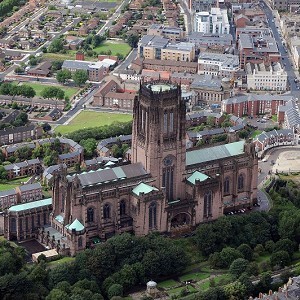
(8, 88)
(79, 77)
(103, 132)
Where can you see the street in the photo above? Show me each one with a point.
(286, 60)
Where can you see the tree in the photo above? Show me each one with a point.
(280, 258)
(238, 267)
(19, 70)
(269, 246)
(3, 173)
(115, 290)
(227, 256)
(46, 127)
(57, 294)
(133, 40)
(89, 146)
(63, 76)
(80, 77)
(210, 121)
(33, 61)
(53, 92)
(286, 245)
(235, 290)
(246, 251)
(26, 91)
(56, 45)
(56, 65)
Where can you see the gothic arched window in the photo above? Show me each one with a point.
(207, 211)
(241, 182)
(90, 214)
(80, 242)
(122, 208)
(106, 211)
(226, 185)
(152, 215)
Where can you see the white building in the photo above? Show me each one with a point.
(295, 50)
(225, 65)
(215, 21)
(263, 77)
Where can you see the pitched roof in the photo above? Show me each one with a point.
(143, 188)
(213, 153)
(30, 205)
(75, 225)
(197, 176)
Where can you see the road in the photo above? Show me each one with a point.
(77, 107)
(113, 18)
(189, 20)
(126, 62)
(284, 54)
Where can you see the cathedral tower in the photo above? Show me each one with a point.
(158, 140)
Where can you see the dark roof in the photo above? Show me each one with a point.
(170, 63)
(7, 131)
(29, 187)
(110, 175)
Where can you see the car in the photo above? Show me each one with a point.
(258, 120)
(264, 160)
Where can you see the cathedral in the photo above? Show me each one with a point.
(166, 188)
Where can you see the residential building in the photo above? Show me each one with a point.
(284, 4)
(96, 70)
(268, 140)
(254, 104)
(266, 77)
(215, 21)
(8, 198)
(20, 134)
(171, 33)
(203, 40)
(24, 168)
(224, 65)
(157, 47)
(257, 49)
(29, 192)
(42, 70)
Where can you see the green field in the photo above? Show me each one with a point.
(170, 283)
(194, 276)
(114, 47)
(88, 119)
(38, 87)
(11, 184)
(61, 261)
(255, 133)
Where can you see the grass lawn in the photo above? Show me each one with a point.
(170, 283)
(255, 133)
(179, 289)
(194, 276)
(219, 281)
(61, 261)
(59, 56)
(114, 47)
(88, 119)
(263, 258)
(38, 87)
(11, 184)
(274, 118)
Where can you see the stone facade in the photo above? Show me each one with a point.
(164, 189)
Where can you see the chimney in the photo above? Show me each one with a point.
(79, 56)
(260, 296)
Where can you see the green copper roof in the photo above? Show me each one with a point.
(213, 153)
(143, 188)
(30, 205)
(197, 176)
(75, 225)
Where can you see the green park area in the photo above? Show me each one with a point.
(38, 87)
(89, 119)
(11, 184)
(115, 47)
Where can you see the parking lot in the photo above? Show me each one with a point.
(261, 123)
